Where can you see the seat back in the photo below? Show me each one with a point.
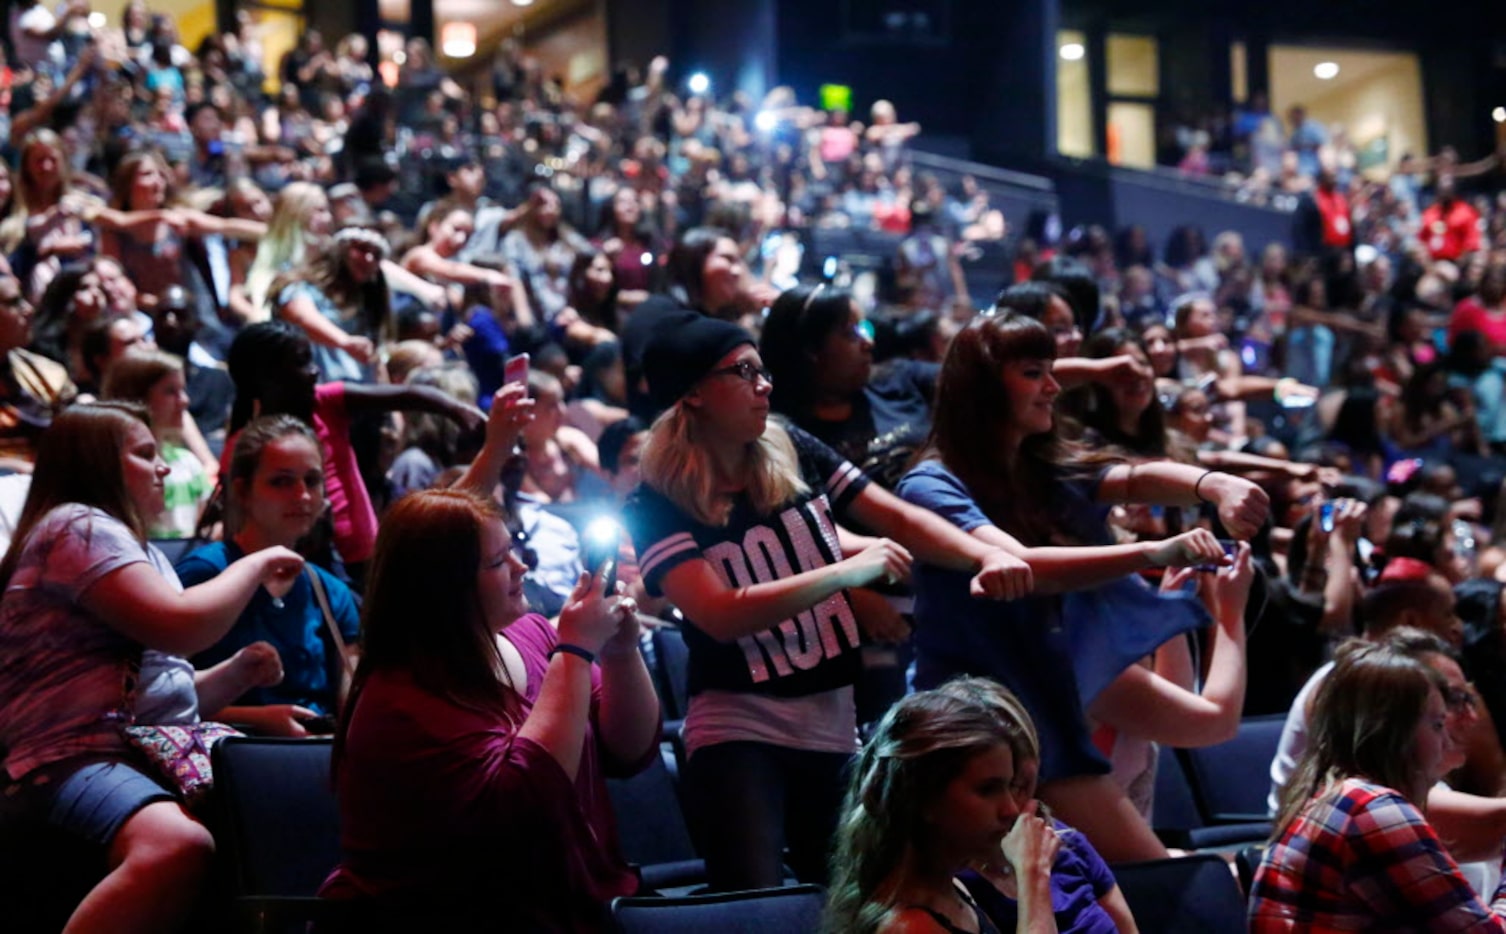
(672, 674)
(792, 910)
(1194, 894)
(1174, 810)
(280, 818)
(1231, 780)
(650, 823)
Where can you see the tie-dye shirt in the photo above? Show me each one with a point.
(66, 674)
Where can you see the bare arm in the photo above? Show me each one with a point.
(628, 719)
(321, 330)
(1242, 506)
(559, 716)
(139, 603)
(1471, 826)
(511, 410)
(729, 613)
(997, 573)
(424, 261)
(1142, 703)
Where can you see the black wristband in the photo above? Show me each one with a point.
(1197, 488)
(575, 650)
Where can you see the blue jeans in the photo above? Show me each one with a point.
(747, 801)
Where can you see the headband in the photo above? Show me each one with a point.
(346, 236)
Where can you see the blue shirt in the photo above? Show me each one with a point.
(297, 630)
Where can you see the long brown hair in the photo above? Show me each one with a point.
(422, 613)
(970, 418)
(922, 744)
(1363, 725)
(79, 461)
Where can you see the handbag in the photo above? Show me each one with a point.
(180, 754)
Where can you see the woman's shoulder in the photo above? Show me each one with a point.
(532, 632)
(911, 920)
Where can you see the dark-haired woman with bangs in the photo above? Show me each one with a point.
(995, 467)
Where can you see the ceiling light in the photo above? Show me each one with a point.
(1498, 115)
(458, 40)
(1326, 71)
(699, 83)
(1073, 51)
(522, 2)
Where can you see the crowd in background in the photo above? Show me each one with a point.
(297, 310)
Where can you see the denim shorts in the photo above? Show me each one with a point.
(94, 800)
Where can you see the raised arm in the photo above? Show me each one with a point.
(1145, 704)
(511, 410)
(138, 602)
(559, 716)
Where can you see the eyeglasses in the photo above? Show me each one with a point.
(746, 371)
(1458, 699)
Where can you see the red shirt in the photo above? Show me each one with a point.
(1452, 231)
(1470, 315)
(442, 805)
(1334, 208)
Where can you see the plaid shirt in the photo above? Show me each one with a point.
(1362, 858)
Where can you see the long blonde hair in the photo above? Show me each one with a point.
(286, 244)
(678, 465)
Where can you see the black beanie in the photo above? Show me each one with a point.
(683, 349)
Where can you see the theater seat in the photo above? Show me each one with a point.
(279, 830)
(651, 827)
(1191, 895)
(792, 910)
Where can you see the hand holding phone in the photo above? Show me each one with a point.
(516, 370)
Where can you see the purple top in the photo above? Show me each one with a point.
(1079, 878)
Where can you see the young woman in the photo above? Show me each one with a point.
(940, 832)
(736, 524)
(819, 346)
(272, 366)
(469, 763)
(156, 239)
(340, 299)
(155, 379)
(631, 245)
(84, 596)
(1378, 741)
(446, 228)
(300, 222)
(275, 493)
(542, 248)
(996, 469)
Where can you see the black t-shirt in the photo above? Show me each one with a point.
(813, 651)
(889, 421)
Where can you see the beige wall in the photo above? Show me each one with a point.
(195, 18)
(1074, 105)
(1375, 94)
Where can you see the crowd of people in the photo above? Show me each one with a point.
(371, 356)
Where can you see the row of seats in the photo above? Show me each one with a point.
(281, 838)
(1215, 797)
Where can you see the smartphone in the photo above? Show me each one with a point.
(515, 370)
(322, 725)
(1231, 548)
(1325, 516)
(599, 544)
